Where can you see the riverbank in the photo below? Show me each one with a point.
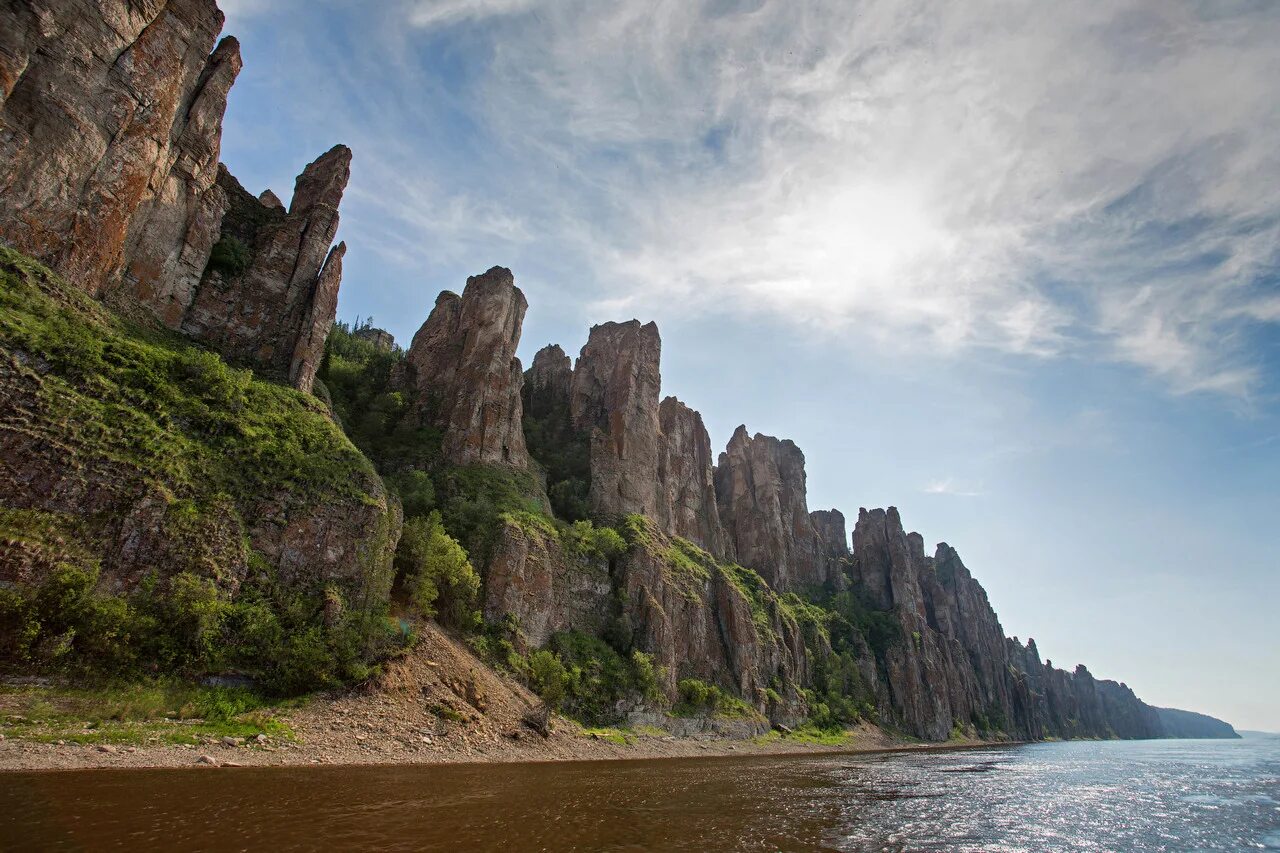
(437, 705)
(564, 744)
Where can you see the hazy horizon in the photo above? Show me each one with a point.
(1014, 270)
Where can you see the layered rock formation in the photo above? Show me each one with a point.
(462, 365)
(614, 400)
(761, 493)
(686, 485)
(276, 312)
(99, 102)
(705, 624)
(953, 665)
(110, 131)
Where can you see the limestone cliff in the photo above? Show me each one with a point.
(686, 485)
(952, 664)
(463, 367)
(704, 619)
(102, 108)
(275, 312)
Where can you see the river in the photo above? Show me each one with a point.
(1111, 796)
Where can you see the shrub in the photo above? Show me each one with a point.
(698, 697)
(547, 677)
(230, 256)
(437, 575)
(586, 539)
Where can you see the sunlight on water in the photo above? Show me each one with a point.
(1140, 796)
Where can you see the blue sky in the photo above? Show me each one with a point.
(1011, 267)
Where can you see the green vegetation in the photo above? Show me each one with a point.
(155, 711)
(562, 451)
(810, 734)
(140, 409)
(186, 626)
(587, 679)
(230, 256)
(436, 573)
(581, 676)
(698, 698)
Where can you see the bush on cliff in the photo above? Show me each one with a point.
(437, 575)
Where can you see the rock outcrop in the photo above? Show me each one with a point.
(276, 311)
(704, 624)
(761, 493)
(131, 493)
(686, 504)
(463, 368)
(952, 665)
(833, 545)
(103, 108)
(614, 400)
(110, 133)
(174, 231)
(533, 579)
(549, 380)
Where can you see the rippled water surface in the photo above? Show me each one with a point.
(1147, 795)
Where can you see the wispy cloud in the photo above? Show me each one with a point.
(948, 486)
(1083, 179)
(435, 13)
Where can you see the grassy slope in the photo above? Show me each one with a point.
(112, 410)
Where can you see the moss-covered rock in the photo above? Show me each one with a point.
(142, 458)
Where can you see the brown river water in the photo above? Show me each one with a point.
(1153, 795)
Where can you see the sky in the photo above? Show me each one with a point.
(1012, 267)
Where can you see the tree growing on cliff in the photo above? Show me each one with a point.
(437, 576)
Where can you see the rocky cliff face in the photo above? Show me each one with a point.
(100, 103)
(1190, 724)
(137, 492)
(533, 579)
(686, 486)
(463, 366)
(761, 493)
(550, 378)
(701, 621)
(276, 312)
(952, 664)
(614, 400)
(112, 125)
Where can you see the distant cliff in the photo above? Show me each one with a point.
(1189, 724)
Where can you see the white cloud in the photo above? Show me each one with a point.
(918, 172)
(436, 13)
(948, 486)
(1035, 179)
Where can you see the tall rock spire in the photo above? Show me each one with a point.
(274, 311)
(760, 490)
(463, 365)
(615, 400)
